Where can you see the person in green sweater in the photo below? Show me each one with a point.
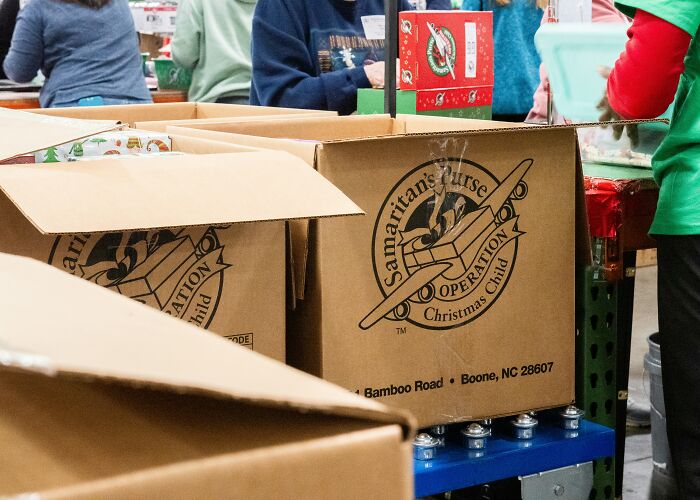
(213, 39)
(661, 65)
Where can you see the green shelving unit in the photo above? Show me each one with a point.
(596, 356)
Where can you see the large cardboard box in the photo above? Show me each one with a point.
(199, 237)
(440, 50)
(121, 402)
(454, 297)
(156, 117)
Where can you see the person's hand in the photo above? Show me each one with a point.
(375, 74)
(608, 115)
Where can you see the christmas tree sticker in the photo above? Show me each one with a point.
(51, 156)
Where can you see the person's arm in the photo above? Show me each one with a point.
(645, 78)
(27, 50)
(8, 18)
(438, 5)
(185, 45)
(538, 113)
(604, 11)
(283, 69)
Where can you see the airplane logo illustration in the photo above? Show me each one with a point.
(462, 236)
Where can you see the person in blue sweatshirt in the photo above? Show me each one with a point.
(8, 18)
(315, 54)
(516, 62)
(88, 51)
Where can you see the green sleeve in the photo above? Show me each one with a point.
(188, 31)
(684, 14)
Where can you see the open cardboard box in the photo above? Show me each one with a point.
(121, 401)
(156, 117)
(200, 237)
(454, 297)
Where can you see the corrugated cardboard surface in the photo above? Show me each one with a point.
(165, 231)
(162, 125)
(110, 224)
(483, 362)
(229, 280)
(167, 112)
(313, 129)
(529, 318)
(126, 402)
(131, 194)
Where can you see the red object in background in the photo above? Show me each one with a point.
(620, 206)
(166, 43)
(445, 49)
(653, 61)
(437, 99)
(620, 212)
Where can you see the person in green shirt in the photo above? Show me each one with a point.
(213, 39)
(662, 60)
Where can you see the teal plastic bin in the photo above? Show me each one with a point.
(573, 55)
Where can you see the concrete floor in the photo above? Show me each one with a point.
(638, 465)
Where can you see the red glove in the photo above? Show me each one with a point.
(645, 78)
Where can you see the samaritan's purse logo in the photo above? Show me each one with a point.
(179, 272)
(441, 51)
(445, 243)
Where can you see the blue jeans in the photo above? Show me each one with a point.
(100, 101)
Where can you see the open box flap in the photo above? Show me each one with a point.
(22, 132)
(119, 340)
(305, 150)
(426, 127)
(174, 191)
(329, 130)
(162, 125)
(173, 111)
(127, 114)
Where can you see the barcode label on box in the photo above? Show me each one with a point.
(242, 339)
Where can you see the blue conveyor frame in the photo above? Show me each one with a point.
(505, 457)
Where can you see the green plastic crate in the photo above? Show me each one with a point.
(172, 77)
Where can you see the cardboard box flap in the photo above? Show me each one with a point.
(478, 127)
(119, 340)
(329, 130)
(307, 128)
(154, 193)
(22, 132)
(306, 150)
(171, 111)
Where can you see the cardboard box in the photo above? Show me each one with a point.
(157, 117)
(440, 49)
(467, 102)
(201, 238)
(120, 401)
(454, 297)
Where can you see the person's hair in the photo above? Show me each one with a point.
(542, 4)
(93, 4)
